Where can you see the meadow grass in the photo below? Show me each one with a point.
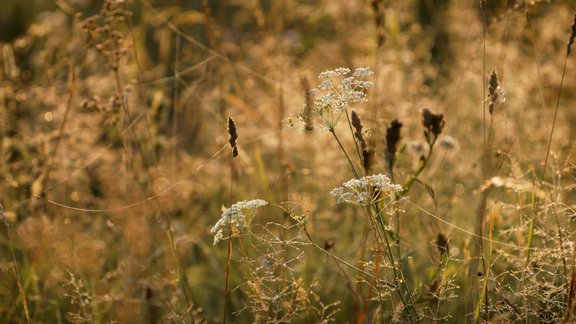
(287, 162)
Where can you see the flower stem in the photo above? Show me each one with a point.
(356, 174)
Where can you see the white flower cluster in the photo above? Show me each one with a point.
(332, 97)
(361, 191)
(351, 89)
(235, 216)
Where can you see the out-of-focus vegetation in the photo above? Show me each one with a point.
(116, 163)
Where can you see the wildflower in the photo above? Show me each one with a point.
(342, 71)
(234, 216)
(326, 84)
(333, 73)
(332, 98)
(362, 72)
(362, 191)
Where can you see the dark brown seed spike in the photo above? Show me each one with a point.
(357, 124)
(572, 36)
(233, 136)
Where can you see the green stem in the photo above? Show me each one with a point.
(398, 275)
(398, 278)
(531, 228)
(353, 137)
(356, 174)
(415, 175)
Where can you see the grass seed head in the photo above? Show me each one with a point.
(233, 136)
(357, 124)
(494, 90)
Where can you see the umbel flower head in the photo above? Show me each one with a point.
(234, 216)
(364, 190)
(338, 90)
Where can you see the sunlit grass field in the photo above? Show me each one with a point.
(287, 161)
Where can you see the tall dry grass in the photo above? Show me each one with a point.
(437, 188)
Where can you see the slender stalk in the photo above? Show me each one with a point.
(15, 269)
(397, 273)
(541, 180)
(181, 276)
(408, 184)
(228, 259)
(485, 144)
(54, 153)
(344, 262)
(356, 174)
(353, 137)
(482, 5)
(232, 131)
(229, 254)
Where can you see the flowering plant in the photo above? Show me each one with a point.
(234, 216)
(364, 191)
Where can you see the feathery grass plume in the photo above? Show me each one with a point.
(357, 124)
(442, 244)
(572, 36)
(434, 123)
(233, 136)
(392, 140)
(81, 297)
(495, 91)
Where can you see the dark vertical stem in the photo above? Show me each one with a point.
(229, 254)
